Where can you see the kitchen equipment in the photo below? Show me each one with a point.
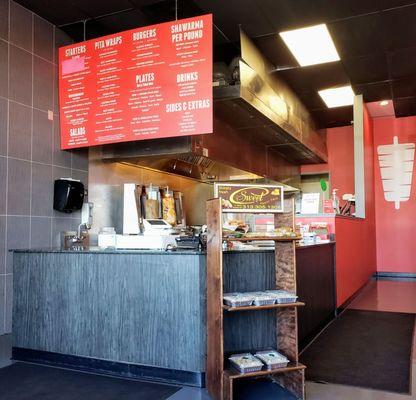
(189, 242)
(107, 238)
(168, 206)
(221, 75)
(143, 227)
(131, 210)
(71, 240)
(151, 242)
(179, 209)
(151, 202)
(156, 227)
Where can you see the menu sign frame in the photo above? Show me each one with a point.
(146, 83)
(250, 198)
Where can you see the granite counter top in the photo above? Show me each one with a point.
(98, 250)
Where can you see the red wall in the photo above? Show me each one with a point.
(383, 240)
(395, 229)
(340, 144)
(356, 238)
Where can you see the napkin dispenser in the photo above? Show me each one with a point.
(68, 195)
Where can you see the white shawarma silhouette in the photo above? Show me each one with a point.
(396, 167)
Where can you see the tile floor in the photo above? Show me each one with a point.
(378, 296)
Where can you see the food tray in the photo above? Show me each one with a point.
(282, 296)
(245, 362)
(272, 359)
(263, 299)
(238, 299)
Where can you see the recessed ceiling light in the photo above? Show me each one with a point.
(384, 103)
(338, 97)
(312, 45)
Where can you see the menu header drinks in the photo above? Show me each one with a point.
(145, 83)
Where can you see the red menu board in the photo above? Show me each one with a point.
(145, 83)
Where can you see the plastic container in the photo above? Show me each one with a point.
(238, 299)
(245, 362)
(272, 359)
(282, 296)
(263, 298)
(107, 238)
(309, 237)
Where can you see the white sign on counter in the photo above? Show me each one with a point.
(310, 203)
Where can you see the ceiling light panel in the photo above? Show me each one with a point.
(312, 45)
(338, 97)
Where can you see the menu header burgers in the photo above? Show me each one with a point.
(146, 83)
(250, 198)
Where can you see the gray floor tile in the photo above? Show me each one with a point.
(43, 38)
(4, 67)
(60, 157)
(2, 245)
(3, 180)
(20, 75)
(42, 84)
(318, 391)
(41, 231)
(189, 393)
(42, 190)
(42, 138)
(20, 129)
(9, 304)
(3, 126)
(60, 225)
(4, 19)
(17, 237)
(21, 26)
(18, 196)
(80, 159)
(5, 347)
(2, 304)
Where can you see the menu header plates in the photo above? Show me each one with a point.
(263, 199)
(146, 83)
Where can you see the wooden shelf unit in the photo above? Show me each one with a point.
(266, 307)
(219, 379)
(232, 374)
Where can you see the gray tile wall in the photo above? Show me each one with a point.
(30, 157)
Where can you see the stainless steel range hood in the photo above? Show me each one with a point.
(189, 165)
(265, 107)
(261, 131)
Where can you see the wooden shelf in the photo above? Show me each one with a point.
(220, 380)
(233, 374)
(263, 238)
(267, 307)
